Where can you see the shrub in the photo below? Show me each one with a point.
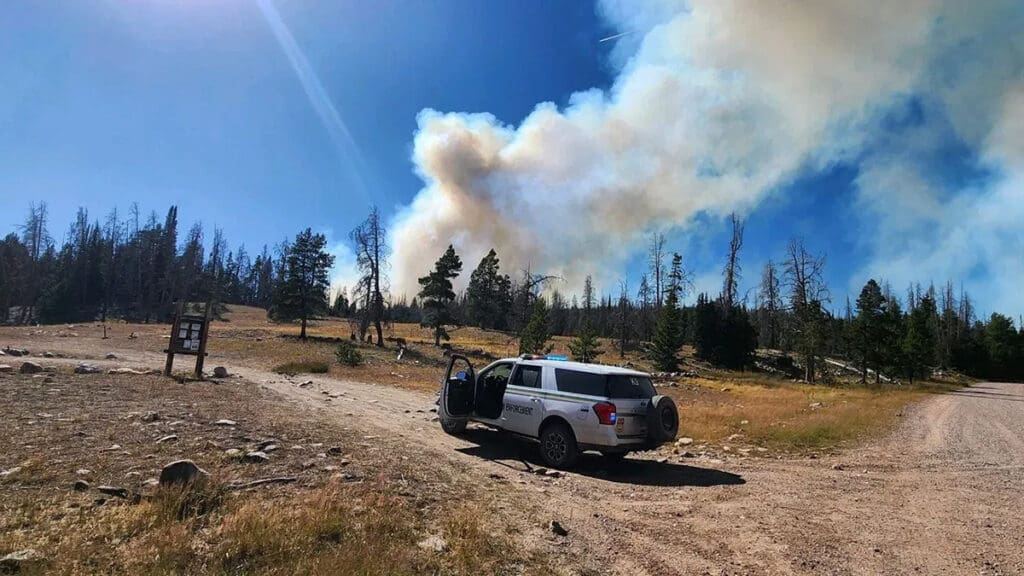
(348, 354)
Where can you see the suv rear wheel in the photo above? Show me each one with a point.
(558, 446)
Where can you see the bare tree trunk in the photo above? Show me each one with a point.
(732, 267)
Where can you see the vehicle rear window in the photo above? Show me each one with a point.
(580, 382)
(630, 387)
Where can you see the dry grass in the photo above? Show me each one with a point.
(787, 416)
(368, 521)
(336, 528)
(303, 367)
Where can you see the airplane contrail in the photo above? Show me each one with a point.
(315, 92)
(614, 36)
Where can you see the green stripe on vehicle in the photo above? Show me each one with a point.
(552, 394)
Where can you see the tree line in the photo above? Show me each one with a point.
(137, 269)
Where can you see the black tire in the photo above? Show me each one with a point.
(662, 419)
(453, 427)
(558, 446)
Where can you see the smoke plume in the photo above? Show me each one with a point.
(716, 105)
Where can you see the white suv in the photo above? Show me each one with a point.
(568, 406)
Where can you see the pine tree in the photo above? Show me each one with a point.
(585, 347)
(707, 329)
(535, 335)
(437, 295)
(869, 329)
(339, 308)
(668, 332)
(919, 339)
(489, 294)
(302, 292)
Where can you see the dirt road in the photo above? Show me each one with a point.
(943, 495)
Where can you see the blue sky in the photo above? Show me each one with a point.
(195, 103)
(885, 140)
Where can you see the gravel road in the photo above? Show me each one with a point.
(944, 494)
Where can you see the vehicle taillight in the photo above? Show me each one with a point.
(605, 412)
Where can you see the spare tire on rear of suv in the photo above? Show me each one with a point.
(662, 419)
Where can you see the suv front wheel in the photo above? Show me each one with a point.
(558, 446)
(452, 426)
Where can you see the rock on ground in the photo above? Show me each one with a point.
(182, 472)
(113, 491)
(6, 368)
(220, 372)
(557, 528)
(434, 543)
(15, 561)
(256, 457)
(30, 368)
(86, 369)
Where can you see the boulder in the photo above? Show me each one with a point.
(168, 438)
(30, 368)
(81, 486)
(232, 452)
(111, 356)
(225, 422)
(49, 354)
(684, 441)
(220, 372)
(182, 472)
(86, 369)
(6, 368)
(150, 416)
(16, 561)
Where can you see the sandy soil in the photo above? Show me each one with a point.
(942, 495)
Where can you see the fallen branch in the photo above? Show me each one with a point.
(261, 482)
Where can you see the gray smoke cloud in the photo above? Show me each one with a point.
(716, 104)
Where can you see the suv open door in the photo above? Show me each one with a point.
(458, 393)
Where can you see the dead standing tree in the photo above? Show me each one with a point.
(656, 260)
(807, 291)
(371, 257)
(771, 303)
(731, 272)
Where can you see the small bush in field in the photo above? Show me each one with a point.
(348, 354)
